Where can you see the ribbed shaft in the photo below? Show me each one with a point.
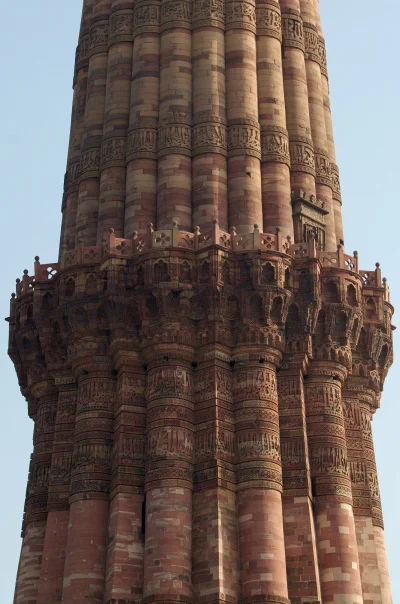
(198, 438)
(298, 518)
(124, 569)
(209, 164)
(116, 120)
(357, 408)
(213, 91)
(169, 481)
(70, 200)
(259, 482)
(89, 182)
(90, 485)
(317, 119)
(215, 538)
(30, 564)
(244, 148)
(296, 98)
(340, 573)
(275, 160)
(55, 541)
(141, 171)
(30, 577)
(337, 198)
(174, 185)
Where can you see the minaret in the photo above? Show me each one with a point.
(203, 362)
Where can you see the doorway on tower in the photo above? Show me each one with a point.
(309, 219)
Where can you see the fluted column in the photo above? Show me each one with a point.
(337, 197)
(383, 564)
(259, 477)
(141, 171)
(359, 403)
(209, 164)
(84, 574)
(29, 569)
(215, 540)
(55, 542)
(275, 159)
(296, 99)
(336, 533)
(169, 476)
(298, 518)
(174, 184)
(116, 120)
(317, 119)
(70, 198)
(34, 527)
(89, 180)
(244, 146)
(125, 547)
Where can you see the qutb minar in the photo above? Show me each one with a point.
(203, 362)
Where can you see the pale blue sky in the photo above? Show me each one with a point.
(38, 45)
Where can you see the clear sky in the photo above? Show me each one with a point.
(37, 45)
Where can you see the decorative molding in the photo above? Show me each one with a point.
(292, 30)
(269, 20)
(175, 13)
(121, 26)
(302, 155)
(323, 168)
(244, 138)
(275, 145)
(113, 152)
(142, 143)
(240, 15)
(146, 17)
(174, 138)
(311, 41)
(208, 13)
(209, 138)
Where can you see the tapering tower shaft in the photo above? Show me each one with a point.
(199, 114)
(203, 362)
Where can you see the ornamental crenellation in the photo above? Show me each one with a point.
(204, 360)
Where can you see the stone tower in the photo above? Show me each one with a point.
(203, 362)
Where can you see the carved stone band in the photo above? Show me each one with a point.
(121, 27)
(72, 177)
(335, 181)
(209, 138)
(257, 474)
(175, 13)
(292, 29)
(98, 42)
(329, 459)
(208, 13)
(311, 41)
(175, 138)
(335, 491)
(90, 163)
(176, 476)
(322, 56)
(269, 21)
(142, 143)
(302, 155)
(240, 15)
(275, 145)
(244, 139)
(265, 599)
(146, 17)
(113, 152)
(323, 168)
(82, 53)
